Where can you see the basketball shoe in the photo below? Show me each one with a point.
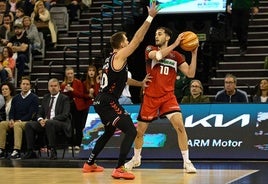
(134, 162)
(189, 167)
(121, 172)
(92, 168)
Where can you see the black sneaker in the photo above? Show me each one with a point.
(15, 155)
(29, 155)
(2, 154)
(53, 154)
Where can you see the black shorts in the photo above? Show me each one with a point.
(108, 108)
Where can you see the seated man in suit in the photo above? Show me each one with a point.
(53, 117)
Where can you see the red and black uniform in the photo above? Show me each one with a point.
(159, 98)
(112, 114)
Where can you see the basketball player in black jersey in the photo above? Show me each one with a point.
(112, 114)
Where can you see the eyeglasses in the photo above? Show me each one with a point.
(229, 82)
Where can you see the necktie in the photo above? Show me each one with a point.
(50, 107)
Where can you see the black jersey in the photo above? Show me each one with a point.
(113, 81)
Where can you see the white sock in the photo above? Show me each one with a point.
(185, 155)
(137, 153)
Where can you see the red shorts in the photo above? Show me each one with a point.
(152, 108)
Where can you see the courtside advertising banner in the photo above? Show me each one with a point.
(215, 131)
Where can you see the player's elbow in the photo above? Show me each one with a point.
(191, 74)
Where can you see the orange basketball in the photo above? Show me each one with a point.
(189, 41)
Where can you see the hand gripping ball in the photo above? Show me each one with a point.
(189, 41)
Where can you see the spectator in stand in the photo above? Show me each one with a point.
(230, 94)
(3, 72)
(196, 96)
(29, 7)
(3, 11)
(6, 30)
(19, 16)
(41, 14)
(73, 6)
(73, 88)
(19, 43)
(91, 85)
(13, 5)
(262, 93)
(24, 107)
(240, 15)
(7, 92)
(32, 35)
(8, 63)
(53, 117)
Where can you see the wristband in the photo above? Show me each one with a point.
(149, 19)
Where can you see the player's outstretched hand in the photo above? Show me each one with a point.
(153, 9)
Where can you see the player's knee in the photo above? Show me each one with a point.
(132, 132)
(140, 134)
(129, 129)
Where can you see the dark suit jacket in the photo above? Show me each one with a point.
(62, 111)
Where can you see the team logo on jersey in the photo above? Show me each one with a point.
(169, 62)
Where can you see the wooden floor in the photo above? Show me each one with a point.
(68, 171)
(150, 176)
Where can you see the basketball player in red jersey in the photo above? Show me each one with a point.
(159, 99)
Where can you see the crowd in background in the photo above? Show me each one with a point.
(19, 33)
(23, 25)
(73, 98)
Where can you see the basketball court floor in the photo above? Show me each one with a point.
(68, 171)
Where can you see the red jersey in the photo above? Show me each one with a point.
(164, 72)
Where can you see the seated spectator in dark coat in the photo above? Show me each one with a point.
(230, 94)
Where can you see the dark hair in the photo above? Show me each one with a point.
(25, 78)
(7, 15)
(259, 92)
(116, 39)
(20, 9)
(10, 86)
(89, 82)
(167, 31)
(9, 50)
